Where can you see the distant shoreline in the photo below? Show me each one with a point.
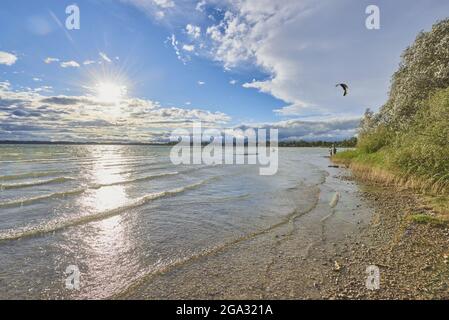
(319, 144)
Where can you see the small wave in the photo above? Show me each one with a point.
(55, 225)
(31, 175)
(26, 201)
(34, 183)
(139, 170)
(199, 168)
(163, 267)
(42, 161)
(134, 163)
(146, 178)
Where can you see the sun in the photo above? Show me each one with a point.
(110, 92)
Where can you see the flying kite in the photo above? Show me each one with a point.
(345, 88)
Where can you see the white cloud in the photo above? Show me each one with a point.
(201, 83)
(7, 58)
(295, 109)
(164, 3)
(51, 60)
(37, 79)
(188, 47)
(28, 114)
(298, 60)
(261, 32)
(193, 31)
(175, 45)
(88, 62)
(104, 57)
(233, 82)
(70, 64)
(5, 85)
(200, 5)
(46, 89)
(326, 130)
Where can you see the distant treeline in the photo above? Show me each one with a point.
(349, 143)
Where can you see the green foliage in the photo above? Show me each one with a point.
(424, 150)
(348, 154)
(421, 151)
(377, 159)
(374, 140)
(424, 69)
(426, 219)
(346, 157)
(410, 133)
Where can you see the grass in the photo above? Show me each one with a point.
(345, 157)
(426, 219)
(439, 203)
(377, 159)
(376, 167)
(381, 166)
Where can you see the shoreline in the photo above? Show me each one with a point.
(293, 260)
(412, 257)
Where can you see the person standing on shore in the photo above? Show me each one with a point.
(334, 149)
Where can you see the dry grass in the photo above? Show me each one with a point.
(434, 195)
(399, 180)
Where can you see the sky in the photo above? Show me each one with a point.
(135, 70)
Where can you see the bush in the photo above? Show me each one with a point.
(424, 150)
(375, 140)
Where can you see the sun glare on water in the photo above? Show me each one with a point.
(110, 92)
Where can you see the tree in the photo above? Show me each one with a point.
(423, 70)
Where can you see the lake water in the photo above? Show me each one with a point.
(121, 213)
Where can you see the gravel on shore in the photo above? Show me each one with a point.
(412, 258)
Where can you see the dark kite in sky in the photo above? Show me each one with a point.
(345, 88)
